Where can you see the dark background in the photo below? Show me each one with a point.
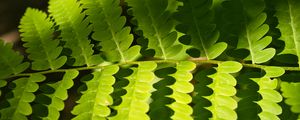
(11, 12)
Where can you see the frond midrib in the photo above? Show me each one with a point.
(77, 36)
(294, 31)
(43, 43)
(156, 34)
(109, 23)
(19, 101)
(199, 35)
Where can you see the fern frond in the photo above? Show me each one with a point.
(289, 25)
(37, 31)
(195, 17)
(105, 16)
(134, 104)
(290, 91)
(58, 96)
(23, 95)
(270, 97)
(157, 26)
(75, 29)
(251, 35)
(181, 89)
(93, 104)
(11, 62)
(223, 83)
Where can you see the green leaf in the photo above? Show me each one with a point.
(249, 24)
(271, 107)
(225, 113)
(181, 88)
(132, 59)
(229, 67)
(134, 105)
(11, 62)
(216, 50)
(274, 71)
(75, 30)
(60, 94)
(223, 86)
(196, 16)
(23, 95)
(288, 18)
(266, 83)
(154, 19)
(37, 31)
(182, 111)
(270, 97)
(108, 24)
(225, 101)
(256, 42)
(290, 92)
(95, 101)
(268, 116)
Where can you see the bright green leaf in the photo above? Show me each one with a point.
(274, 71)
(229, 67)
(37, 30)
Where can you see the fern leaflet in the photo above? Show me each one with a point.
(37, 30)
(223, 104)
(68, 14)
(93, 104)
(23, 95)
(181, 88)
(290, 92)
(10, 61)
(157, 25)
(269, 95)
(288, 17)
(196, 21)
(253, 30)
(57, 97)
(108, 26)
(135, 102)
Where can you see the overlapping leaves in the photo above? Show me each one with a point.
(108, 27)
(288, 17)
(154, 19)
(75, 26)
(135, 102)
(249, 23)
(195, 17)
(95, 100)
(19, 105)
(57, 97)
(290, 92)
(75, 30)
(220, 92)
(270, 97)
(181, 88)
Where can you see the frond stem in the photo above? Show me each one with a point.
(197, 61)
